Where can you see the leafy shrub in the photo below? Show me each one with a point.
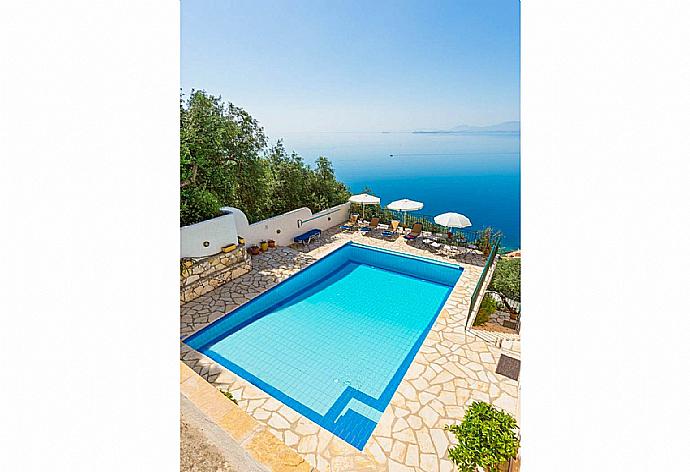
(486, 438)
(486, 309)
(506, 278)
(198, 205)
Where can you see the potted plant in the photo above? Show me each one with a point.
(271, 243)
(264, 245)
(487, 439)
(240, 240)
(254, 250)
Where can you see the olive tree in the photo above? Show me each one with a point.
(225, 160)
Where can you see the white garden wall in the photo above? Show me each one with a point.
(283, 228)
(208, 237)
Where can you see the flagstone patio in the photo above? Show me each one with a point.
(451, 370)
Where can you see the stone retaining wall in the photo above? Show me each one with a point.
(200, 276)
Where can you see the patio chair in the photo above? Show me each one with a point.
(415, 232)
(392, 229)
(352, 224)
(372, 225)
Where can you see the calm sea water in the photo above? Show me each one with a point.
(477, 175)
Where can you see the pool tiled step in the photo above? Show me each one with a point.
(354, 428)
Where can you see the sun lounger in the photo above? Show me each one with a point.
(392, 229)
(306, 238)
(372, 225)
(416, 231)
(352, 224)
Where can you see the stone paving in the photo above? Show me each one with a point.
(451, 370)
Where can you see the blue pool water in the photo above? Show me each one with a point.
(334, 341)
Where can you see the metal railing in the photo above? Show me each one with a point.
(300, 222)
(480, 282)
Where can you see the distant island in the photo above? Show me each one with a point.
(507, 127)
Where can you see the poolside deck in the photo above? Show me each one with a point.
(451, 369)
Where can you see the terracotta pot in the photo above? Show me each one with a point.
(264, 246)
(254, 250)
(271, 243)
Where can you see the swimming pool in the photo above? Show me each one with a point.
(334, 340)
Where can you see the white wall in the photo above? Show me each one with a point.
(217, 232)
(283, 228)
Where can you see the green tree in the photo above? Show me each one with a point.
(290, 180)
(486, 438)
(327, 191)
(224, 160)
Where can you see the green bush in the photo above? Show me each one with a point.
(486, 438)
(506, 279)
(486, 309)
(198, 205)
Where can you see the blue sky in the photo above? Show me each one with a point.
(356, 65)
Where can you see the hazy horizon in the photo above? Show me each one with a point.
(356, 67)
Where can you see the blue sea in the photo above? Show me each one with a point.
(476, 174)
